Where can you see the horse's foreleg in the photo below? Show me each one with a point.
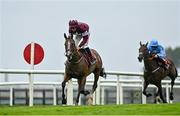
(171, 93)
(77, 99)
(157, 97)
(81, 85)
(144, 89)
(66, 78)
(64, 101)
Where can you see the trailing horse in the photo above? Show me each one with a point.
(154, 72)
(78, 67)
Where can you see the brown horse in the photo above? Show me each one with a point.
(154, 72)
(77, 67)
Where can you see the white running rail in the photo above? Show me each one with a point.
(119, 83)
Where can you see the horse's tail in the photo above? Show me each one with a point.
(176, 72)
(103, 73)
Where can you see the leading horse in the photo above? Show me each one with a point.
(77, 67)
(154, 72)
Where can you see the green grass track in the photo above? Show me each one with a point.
(126, 109)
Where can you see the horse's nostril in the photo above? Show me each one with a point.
(138, 58)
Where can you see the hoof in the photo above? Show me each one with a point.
(171, 98)
(164, 101)
(86, 93)
(148, 95)
(157, 100)
(90, 100)
(76, 104)
(64, 101)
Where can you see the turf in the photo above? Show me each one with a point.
(126, 109)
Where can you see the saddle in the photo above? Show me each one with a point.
(164, 63)
(86, 56)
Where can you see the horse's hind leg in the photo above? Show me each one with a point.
(173, 74)
(171, 93)
(96, 78)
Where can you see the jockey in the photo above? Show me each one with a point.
(159, 51)
(81, 30)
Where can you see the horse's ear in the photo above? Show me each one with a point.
(146, 43)
(65, 36)
(140, 43)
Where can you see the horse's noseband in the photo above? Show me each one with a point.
(140, 57)
(68, 54)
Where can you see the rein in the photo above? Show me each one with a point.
(156, 70)
(78, 60)
(150, 59)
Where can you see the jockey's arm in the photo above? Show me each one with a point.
(85, 37)
(162, 53)
(84, 41)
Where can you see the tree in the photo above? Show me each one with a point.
(174, 54)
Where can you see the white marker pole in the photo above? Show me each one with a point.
(31, 78)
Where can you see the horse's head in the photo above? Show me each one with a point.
(143, 51)
(70, 46)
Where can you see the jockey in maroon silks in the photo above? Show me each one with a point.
(81, 32)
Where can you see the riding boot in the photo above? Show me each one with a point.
(92, 59)
(166, 65)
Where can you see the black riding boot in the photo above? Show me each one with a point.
(93, 60)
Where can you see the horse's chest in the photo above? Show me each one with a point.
(75, 72)
(152, 78)
(75, 75)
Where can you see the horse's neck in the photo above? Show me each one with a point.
(150, 65)
(76, 57)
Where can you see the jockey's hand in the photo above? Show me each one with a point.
(155, 56)
(78, 48)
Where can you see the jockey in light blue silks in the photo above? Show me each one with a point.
(159, 51)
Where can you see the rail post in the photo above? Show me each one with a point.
(54, 95)
(98, 92)
(117, 90)
(70, 92)
(11, 97)
(143, 96)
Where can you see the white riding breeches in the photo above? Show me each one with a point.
(78, 39)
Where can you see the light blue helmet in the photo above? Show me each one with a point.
(154, 43)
